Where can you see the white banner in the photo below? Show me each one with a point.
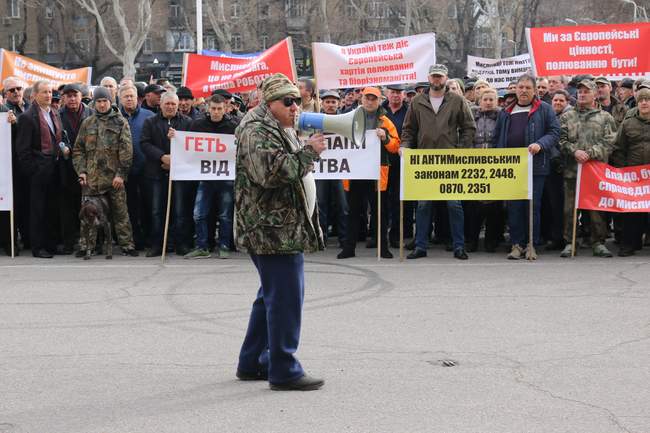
(499, 72)
(344, 160)
(202, 156)
(6, 181)
(391, 61)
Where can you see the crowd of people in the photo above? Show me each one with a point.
(74, 144)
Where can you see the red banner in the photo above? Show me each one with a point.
(204, 74)
(605, 188)
(612, 50)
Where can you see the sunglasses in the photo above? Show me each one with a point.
(15, 89)
(288, 101)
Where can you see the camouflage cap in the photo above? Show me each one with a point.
(278, 86)
(588, 84)
(602, 80)
(438, 70)
(643, 95)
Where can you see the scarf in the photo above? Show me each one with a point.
(49, 141)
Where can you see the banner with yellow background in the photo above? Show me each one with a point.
(466, 174)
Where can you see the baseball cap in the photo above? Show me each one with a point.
(72, 87)
(330, 94)
(602, 80)
(184, 93)
(399, 87)
(438, 69)
(223, 92)
(589, 84)
(628, 83)
(371, 91)
(154, 88)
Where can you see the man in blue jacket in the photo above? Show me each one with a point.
(531, 123)
(136, 196)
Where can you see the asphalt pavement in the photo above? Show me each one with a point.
(431, 345)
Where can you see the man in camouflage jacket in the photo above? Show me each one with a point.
(587, 133)
(102, 157)
(276, 221)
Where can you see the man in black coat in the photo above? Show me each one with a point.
(37, 147)
(155, 143)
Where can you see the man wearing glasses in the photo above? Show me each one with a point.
(276, 221)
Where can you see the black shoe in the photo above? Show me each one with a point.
(386, 254)
(371, 243)
(626, 252)
(345, 254)
(305, 383)
(154, 252)
(258, 375)
(460, 254)
(130, 252)
(416, 254)
(42, 254)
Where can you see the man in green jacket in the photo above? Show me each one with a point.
(102, 157)
(587, 133)
(276, 220)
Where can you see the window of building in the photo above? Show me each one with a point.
(483, 38)
(452, 12)
(13, 8)
(81, 40)
(234, 9)
(210, 42)
(185, 42)
(378, 9)
(295, 8)
(236, 42)
(174, 9)
(50, 44)
(146, 46)
(14, 41)
(264, 42)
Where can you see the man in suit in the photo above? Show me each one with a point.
(37, 147)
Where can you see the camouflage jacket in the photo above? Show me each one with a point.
(592, 130)
(103, 150)
(618, 110)
(271, 210)
(632, 145)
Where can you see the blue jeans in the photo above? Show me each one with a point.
(181, 212)
(274, 327)
(223, 191)
(423, 224)
(518, 215)
(331, 194)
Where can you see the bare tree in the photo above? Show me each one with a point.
(132, 30)
(220, 25)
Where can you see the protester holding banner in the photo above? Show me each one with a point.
(587, 133)
(137, 195)
(156, 147)
(396, 108)
(330, 192)
(216, 121)
(276, 222)
(37, 147)
(361, 191)
(438, 119)
(632, 147)
(489, 211)
(529, 123)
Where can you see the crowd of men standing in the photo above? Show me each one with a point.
(72, 143)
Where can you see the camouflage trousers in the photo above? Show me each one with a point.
(119, 219)
(598, 220)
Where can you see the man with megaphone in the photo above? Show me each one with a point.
(362, 190)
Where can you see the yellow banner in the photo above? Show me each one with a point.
(466, 174)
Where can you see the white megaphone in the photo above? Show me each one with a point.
(351, 125)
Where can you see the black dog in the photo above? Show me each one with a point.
(95, 213)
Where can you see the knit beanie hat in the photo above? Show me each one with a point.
(278, 86)
(101, 93)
